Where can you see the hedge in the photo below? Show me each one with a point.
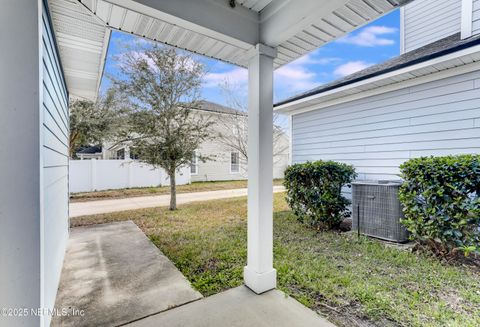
(314, 192)
(440, 198)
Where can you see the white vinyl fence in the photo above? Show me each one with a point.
(97, 175)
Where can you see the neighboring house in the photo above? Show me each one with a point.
(106, 151)
(227, 162)
(424, 102)
(116, 151)
(223, 161)
(89, 152)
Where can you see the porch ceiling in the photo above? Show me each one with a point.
(210, 27)
(82, 41)
(255, 5)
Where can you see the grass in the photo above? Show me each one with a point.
(352, 281)
(144, 191)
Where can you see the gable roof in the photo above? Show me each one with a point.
(90, 150)
(218, 108)
(433, 50)
(215, 107)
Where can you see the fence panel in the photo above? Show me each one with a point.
(97, 175)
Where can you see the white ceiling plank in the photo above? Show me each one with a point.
(350, 15)
(238, 26)
(103, 10)
(282, 20)
(82, 40)
(311, 38)
(300, 43)
(290, 50)
(340, 22)
(360, 7)
(130, 21)
(260, 5)
(116, 16)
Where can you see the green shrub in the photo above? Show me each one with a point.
(441, 202)
(314, 192)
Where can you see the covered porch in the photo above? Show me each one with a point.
(114, 276)
(57, 51)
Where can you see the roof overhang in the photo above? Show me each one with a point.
(208, 27)
(451, 64)
(83, 42)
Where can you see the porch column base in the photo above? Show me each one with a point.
(260, 282)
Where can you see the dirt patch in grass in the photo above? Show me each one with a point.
(354, 281)
(161, 190)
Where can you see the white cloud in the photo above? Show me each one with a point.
(292, 78)
(236, 76)
(350, 68)
(311, 59)
(371, 36)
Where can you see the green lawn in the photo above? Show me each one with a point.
(350, 280)
(143, 191)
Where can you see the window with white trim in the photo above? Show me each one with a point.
(194, 164)
(234, 162)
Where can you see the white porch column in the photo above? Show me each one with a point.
(259, 274)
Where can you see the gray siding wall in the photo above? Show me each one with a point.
(476, 17)
(217, 169)
(54, 129)
(378, 133)
(427, 21)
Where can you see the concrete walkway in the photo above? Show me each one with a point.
(105, 206)
(238, 307)
(116, 275)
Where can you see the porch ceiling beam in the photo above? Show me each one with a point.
(215, 18)
(282, 20)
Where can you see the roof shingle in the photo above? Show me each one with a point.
(433, 50)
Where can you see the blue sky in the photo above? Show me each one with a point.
(373, 43)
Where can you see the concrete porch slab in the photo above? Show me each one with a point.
(116, 275)
(238, 307)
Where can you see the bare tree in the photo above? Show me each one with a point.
(234, 127)
(162, 86)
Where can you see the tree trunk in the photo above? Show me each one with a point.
(173, 192)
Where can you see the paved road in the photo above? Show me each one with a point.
(105, 206)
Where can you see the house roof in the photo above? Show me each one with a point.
(90, 150)
(436, 49)
(215, 107)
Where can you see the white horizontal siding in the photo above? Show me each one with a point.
(376, 134)
(476, 17)
(427, 21)
(218, 167)
(54, 144)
